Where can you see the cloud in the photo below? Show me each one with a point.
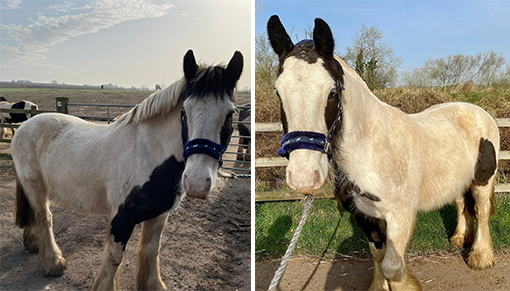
(46, 31)
(12, 56)
(11, 4)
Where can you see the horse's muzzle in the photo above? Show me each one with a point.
(196, 188)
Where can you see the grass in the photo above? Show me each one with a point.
(330, 233)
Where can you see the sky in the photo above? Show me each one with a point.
(416, 30)
(123, 42)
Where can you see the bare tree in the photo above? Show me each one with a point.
(373, 59)
(481, 69)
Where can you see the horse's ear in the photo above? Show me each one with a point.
(190, 65)
(280, 40)
(235, 66)
(323, 38)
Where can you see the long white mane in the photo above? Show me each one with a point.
(157, 103)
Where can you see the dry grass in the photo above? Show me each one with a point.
(410, 100)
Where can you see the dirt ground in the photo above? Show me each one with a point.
(349, 273)
(205, 245)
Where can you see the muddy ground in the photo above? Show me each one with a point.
(205, 245)
(350, 273)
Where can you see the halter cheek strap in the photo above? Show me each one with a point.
(310, 140)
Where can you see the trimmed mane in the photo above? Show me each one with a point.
(157, 103)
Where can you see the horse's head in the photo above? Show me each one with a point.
(309, 85)
(207, 120)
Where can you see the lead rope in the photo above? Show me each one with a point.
(308, 200)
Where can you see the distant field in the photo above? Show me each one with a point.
(45, 98)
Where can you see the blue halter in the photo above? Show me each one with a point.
(203, 146)
(310, 140)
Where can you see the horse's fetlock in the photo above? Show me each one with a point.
(393, 269)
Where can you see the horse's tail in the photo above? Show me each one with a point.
(24, 212)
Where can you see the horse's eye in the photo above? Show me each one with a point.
(183, 114)
(332, 94)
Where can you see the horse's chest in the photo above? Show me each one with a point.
(150, 200)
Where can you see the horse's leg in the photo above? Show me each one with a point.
(398, 233)
(481, 255)
(240, 150)
(375, 230)
(25, 219)
(147, 267)
(107, 278)
(34, 194)
(248, 151)
(50, 255)
(378, 281)
(464, 232)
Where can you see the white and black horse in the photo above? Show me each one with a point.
(131, 170)
(11, 118)
(387, 165)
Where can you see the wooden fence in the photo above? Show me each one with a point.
(327, 192)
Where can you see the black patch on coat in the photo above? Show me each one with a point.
(3, 98)
(17, 117)
(345, 190)
(150, 200)
(486, 164)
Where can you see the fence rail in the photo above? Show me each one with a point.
(292, 195)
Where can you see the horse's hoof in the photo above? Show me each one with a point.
(56, 269)
(480, 260)
(457, 241)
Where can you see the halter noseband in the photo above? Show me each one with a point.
(310, 140)
(201, 145)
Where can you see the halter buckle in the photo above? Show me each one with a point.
(327, 146)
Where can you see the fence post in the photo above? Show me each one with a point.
(62, 106)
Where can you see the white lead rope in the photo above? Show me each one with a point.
(308, 200)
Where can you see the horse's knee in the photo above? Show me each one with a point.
(393, 266)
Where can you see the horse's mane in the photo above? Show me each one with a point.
(157, 103)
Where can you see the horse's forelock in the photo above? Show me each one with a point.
(211, 80)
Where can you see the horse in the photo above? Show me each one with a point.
(6, 117)
(387, 165)
(134, 170)
(244, 130)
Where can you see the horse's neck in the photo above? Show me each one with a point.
(364, 117)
